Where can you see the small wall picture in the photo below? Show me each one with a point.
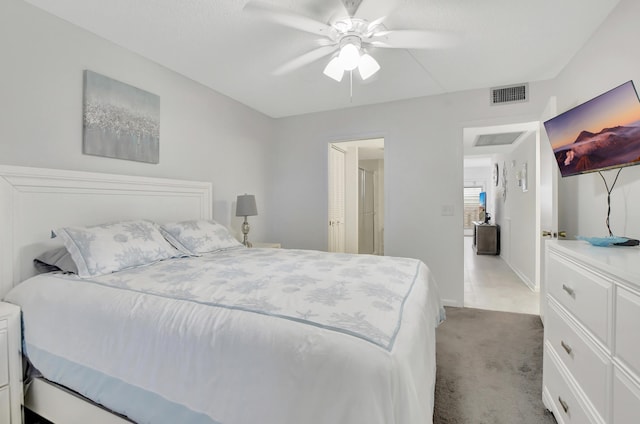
(119, 120)
(504, 181)
(522, 178)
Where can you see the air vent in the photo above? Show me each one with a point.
(500, 139)
(510, 94)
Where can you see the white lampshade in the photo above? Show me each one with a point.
(349, 57)
(334, 69)
(367, 66)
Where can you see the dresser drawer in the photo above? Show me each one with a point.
(588, 365)
(4, 357)
(586, 295)
(627, 341)
(626, 399)
(567, 408)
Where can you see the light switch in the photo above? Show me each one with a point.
(447, 210)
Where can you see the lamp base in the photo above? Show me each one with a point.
(245, 232)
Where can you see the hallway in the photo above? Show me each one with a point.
(489, 283)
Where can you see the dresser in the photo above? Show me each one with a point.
(486, 238)
(10, 365)
(591, 370)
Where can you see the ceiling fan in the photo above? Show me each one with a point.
(348, 36)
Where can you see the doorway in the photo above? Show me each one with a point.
(502, 162)
(356, 185)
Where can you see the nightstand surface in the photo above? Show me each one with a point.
(267, 245)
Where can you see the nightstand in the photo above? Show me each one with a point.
(11, 395)
(267, 245)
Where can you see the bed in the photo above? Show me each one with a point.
(230, 335)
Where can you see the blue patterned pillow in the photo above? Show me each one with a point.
(107, 248)
(198, 237)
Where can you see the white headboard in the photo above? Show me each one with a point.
(33, 201)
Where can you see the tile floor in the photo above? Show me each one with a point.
(489, 283)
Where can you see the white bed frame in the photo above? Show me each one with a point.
(34, 201)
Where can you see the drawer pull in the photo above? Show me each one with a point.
(564, 405)
(569, 290)
(566, 347)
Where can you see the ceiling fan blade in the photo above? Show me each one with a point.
(412, 39)
(373, 9)
(305, 59)
(371, 28)
(287, 18)
(339, 9)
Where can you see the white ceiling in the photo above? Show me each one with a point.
(498, 42)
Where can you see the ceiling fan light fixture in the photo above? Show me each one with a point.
(367, 66)
(349, 57)
(334, 69)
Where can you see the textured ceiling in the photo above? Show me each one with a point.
(497, 42)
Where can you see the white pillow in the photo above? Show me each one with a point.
(198, 237)
(107, 248)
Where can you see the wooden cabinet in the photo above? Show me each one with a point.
(591, 345)
(486, 238)
(10, 365)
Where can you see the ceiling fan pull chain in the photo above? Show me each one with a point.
(351, 86)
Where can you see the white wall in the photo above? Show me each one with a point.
(423, 172)
(608, 59)
(478, 176)
(517, 213)
(203, 135)
(377, 167)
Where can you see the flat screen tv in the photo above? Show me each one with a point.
(602, 133)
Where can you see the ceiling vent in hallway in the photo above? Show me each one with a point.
(510, 94)
(500, 139)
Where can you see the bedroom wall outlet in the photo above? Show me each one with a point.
(447, 210)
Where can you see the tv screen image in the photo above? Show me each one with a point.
(602, 133)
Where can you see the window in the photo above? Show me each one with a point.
(471, 205)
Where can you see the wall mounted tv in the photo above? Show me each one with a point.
(602, 133)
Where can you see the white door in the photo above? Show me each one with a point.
(547, 216)
(336, 199)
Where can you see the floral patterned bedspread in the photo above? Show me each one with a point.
(359, 295)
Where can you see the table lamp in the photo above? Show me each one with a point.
(246, 206)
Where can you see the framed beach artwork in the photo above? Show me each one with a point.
(119, 120)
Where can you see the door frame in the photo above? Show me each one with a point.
(546, 200)
(351, 147)
(541, 152)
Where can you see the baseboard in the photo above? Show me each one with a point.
(454, 303)
(523, 277)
